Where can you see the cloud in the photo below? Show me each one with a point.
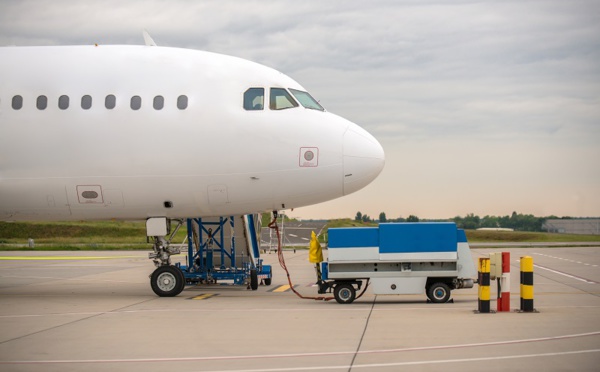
(476, 78)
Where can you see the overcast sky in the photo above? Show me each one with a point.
(484, 107)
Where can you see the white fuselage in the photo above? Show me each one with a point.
(210, 157)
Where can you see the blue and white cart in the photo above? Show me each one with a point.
(398, 258)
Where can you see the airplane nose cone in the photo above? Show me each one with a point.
(363, 159)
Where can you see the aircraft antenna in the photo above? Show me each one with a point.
(148, 39)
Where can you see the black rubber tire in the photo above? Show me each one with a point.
(344, 293)
(438, 293)
(183, 281)
(167, 281)
(253, 280)
(267, 281)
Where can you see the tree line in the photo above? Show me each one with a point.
(516, 221)
(382, 218)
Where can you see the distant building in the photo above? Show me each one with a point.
(583, 226)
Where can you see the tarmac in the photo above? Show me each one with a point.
(95, 311)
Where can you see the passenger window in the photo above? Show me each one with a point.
(306, 100)
(86, 102)
(136, 102)
(17, 102)
(63, 102)
(280, 99)
(110, 102)
(254, 99)
(159, 103)
(182, 102)
(42, 102)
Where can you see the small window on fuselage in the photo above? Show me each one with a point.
(254, 99)
(17, 102)
(182, 102)
(63, 102)
(110, 101)
(136, 102)
(280, 99)
(159, 103)
(86, 102)
(41, 102)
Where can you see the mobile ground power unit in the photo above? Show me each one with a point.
(398, 258)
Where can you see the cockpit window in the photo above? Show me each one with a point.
(254, 99)
(306, 100)
(280, 99)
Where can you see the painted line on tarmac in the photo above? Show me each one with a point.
(478, 359)
(205, 296)
(282, 288)
(315, 354)
(95, 280)
(229, 310)
(414, 363)
(60, 258)
(566, 259)
(565, 274)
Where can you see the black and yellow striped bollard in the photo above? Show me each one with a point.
(483, 302)
(527, 284)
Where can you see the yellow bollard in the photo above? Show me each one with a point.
(483, 301)
(527, 284)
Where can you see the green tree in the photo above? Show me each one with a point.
(458, 220)
(412, 218)
(382, 217)
(490, 221)
(517, 221)
(358, 217)
(470, 222)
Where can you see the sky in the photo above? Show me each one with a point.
(483, 107)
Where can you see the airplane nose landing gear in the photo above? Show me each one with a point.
(167, 280)
(162, 252)
(158, 228)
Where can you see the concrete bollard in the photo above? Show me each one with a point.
(527, 284)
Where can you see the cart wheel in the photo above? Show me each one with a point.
(344, 293)
(167, 281)
(438, 293)
(253, 280)
(267, 281)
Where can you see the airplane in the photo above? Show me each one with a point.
(154, 133)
